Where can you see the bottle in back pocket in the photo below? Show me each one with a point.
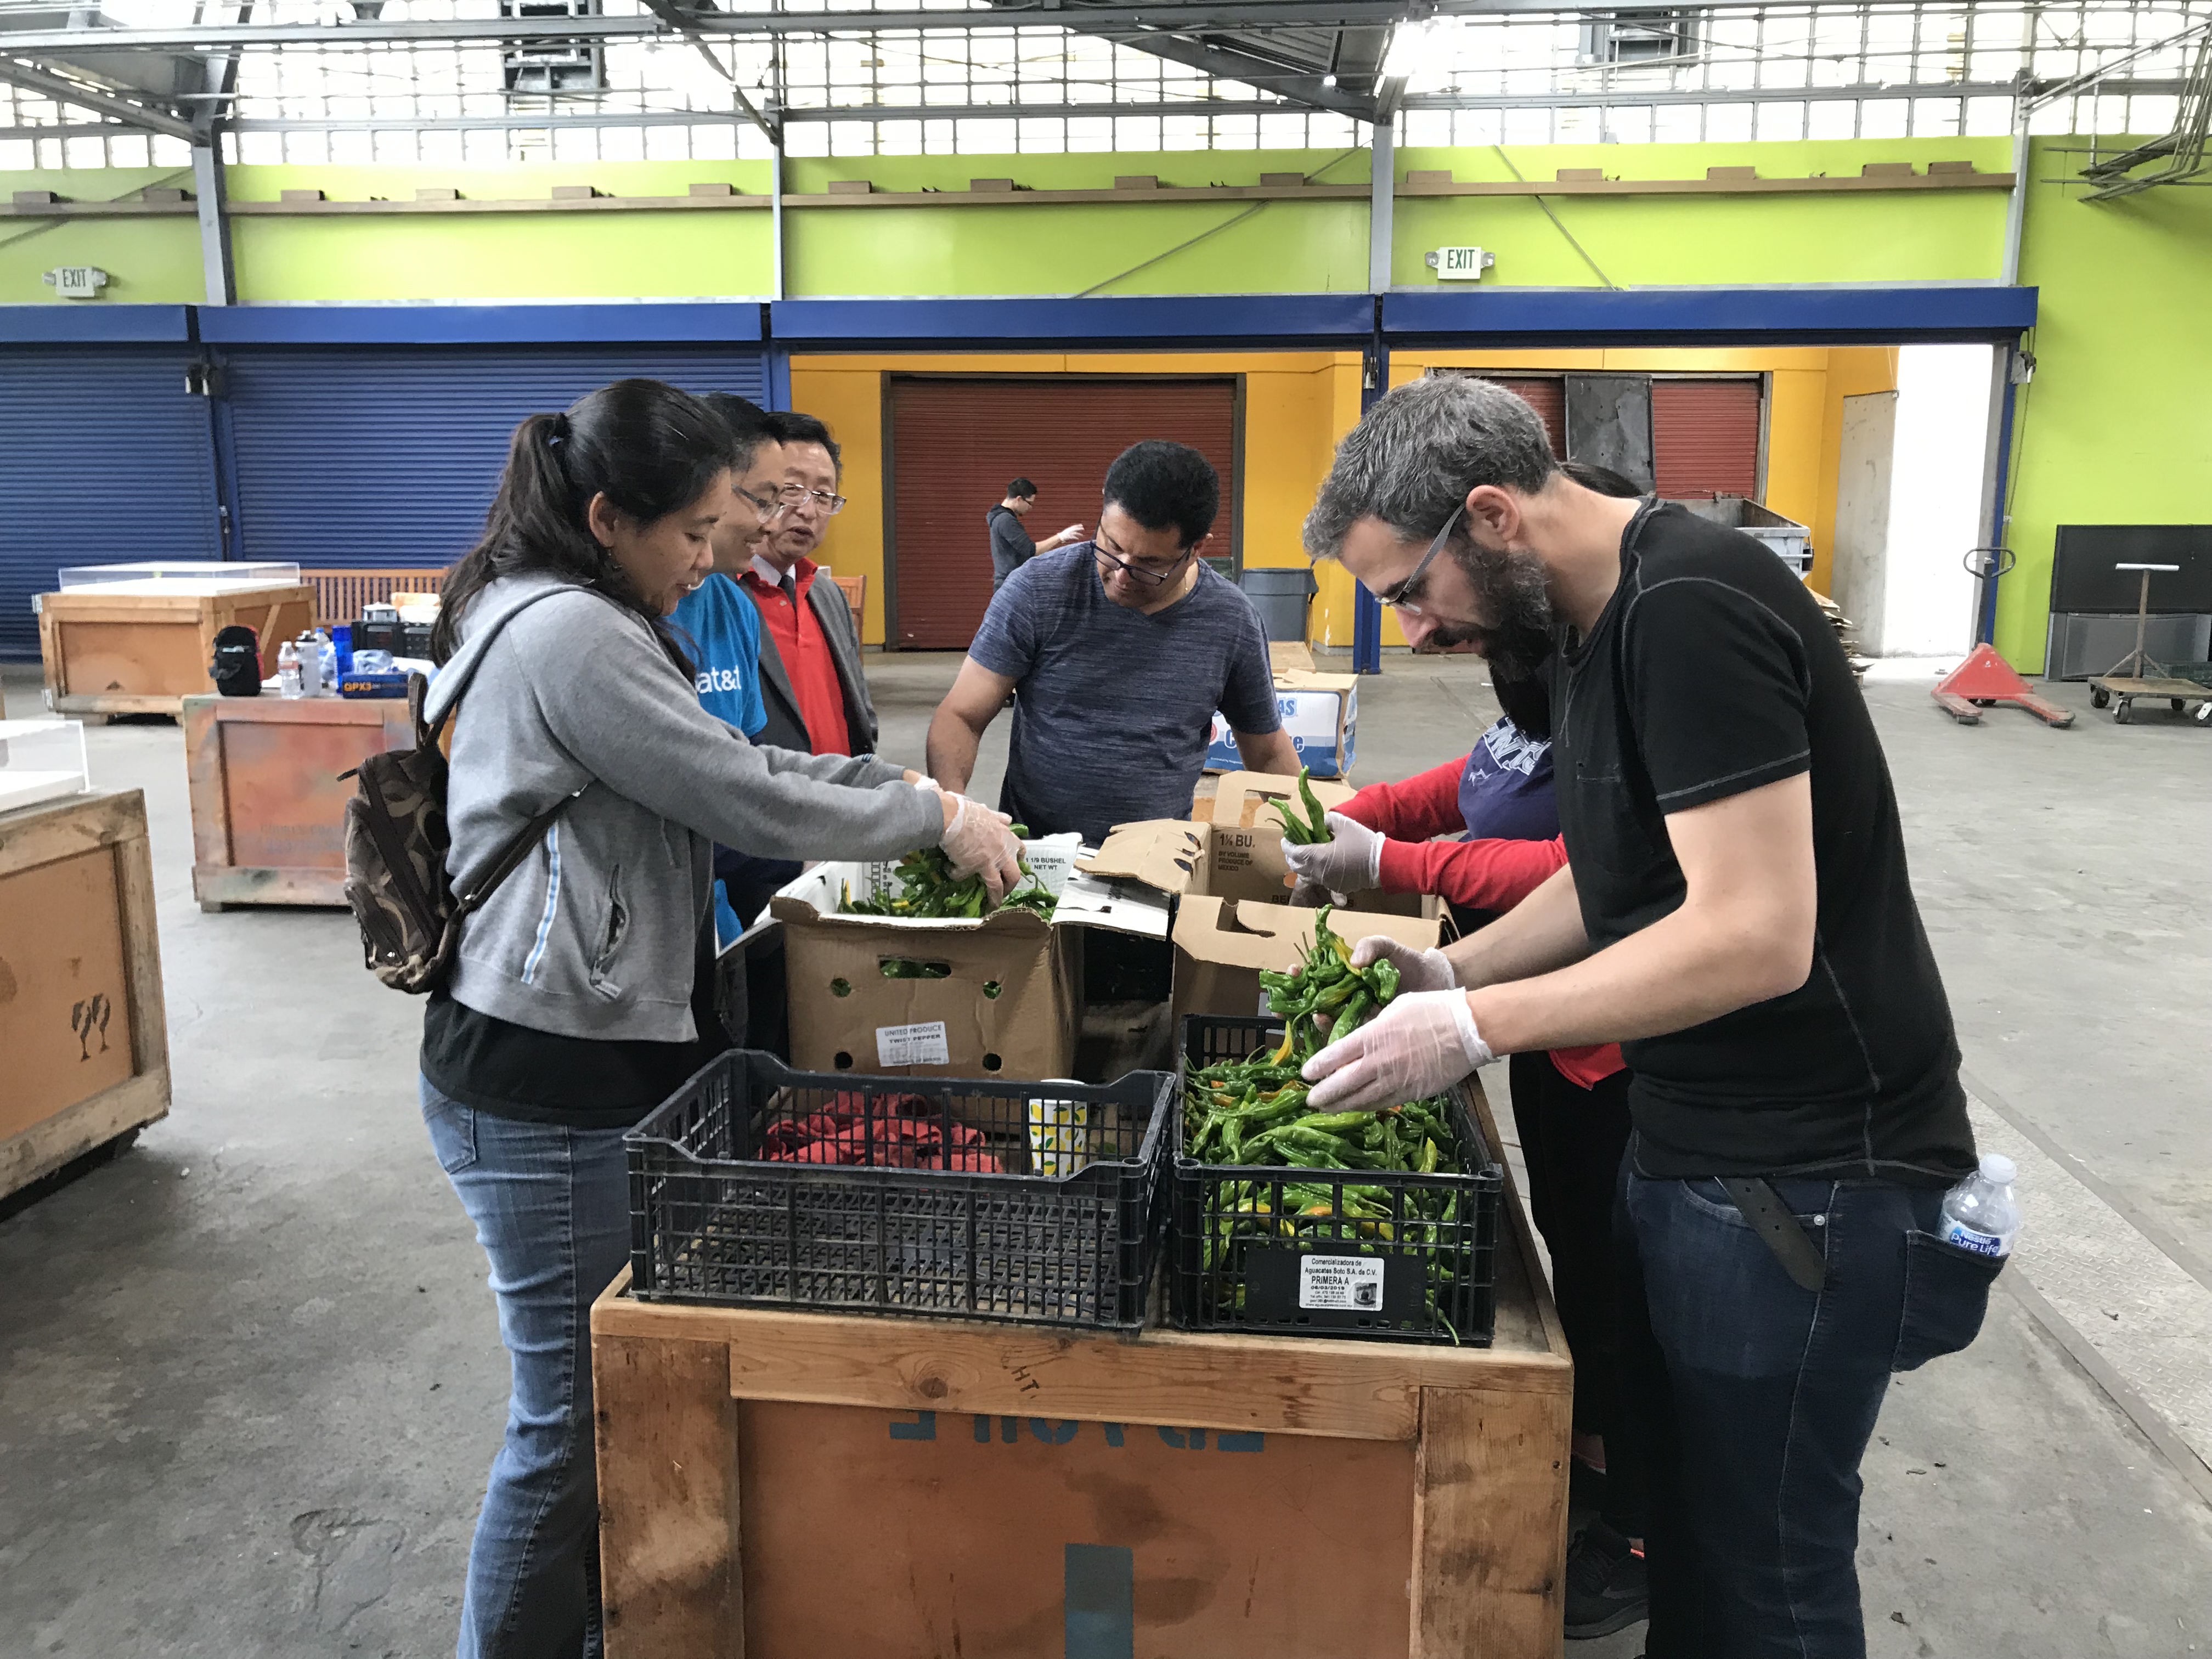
(1979, 1213)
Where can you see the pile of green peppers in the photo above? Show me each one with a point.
(927, 888)
(1310, 827)
(1253, 1111)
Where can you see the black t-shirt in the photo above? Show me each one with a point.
(1712, 671)
(581, 1083)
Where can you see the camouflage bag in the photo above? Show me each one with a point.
(396, 842)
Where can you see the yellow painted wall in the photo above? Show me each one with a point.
(1291, 410)
(1852, 372)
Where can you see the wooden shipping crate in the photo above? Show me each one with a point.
(788, 1486)
(268, 804)
(340, 594)
(81, 1023)
(145, 654)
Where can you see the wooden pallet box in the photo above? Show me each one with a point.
(82, 1021)
(145, 654)
(267, 804)
(791, 1484)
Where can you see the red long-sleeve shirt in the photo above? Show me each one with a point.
(1482, 875)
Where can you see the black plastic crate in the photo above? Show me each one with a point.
(1252, 1277)
(713, 1221)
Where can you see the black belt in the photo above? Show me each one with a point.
(1771, 1218)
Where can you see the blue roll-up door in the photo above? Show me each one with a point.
(372, 455)
(104, 458)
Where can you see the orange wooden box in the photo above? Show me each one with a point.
(795, 1485)
(268, 804)
(145, 654)
(82, 1021)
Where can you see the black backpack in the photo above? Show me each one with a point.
(237, 665)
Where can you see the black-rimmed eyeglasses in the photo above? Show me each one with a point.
(1151, 575)
(1406, 595)
(769, 507)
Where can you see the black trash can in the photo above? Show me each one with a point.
(1280, 596)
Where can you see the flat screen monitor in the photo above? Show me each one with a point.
(2082, 577)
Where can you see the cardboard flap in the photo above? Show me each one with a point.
(1241, 800)
(1306, 679)
(1250, 933)
(812, 899)
(1119, 905)
(1165, 853)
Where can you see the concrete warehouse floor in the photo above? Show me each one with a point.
(249, 1380)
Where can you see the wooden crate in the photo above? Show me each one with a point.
(145, 654)
(787, 1486)
(81, 1023)
(340, 594)
(268, 806)
(856, 594)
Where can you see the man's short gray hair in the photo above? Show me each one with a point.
(1414, 456)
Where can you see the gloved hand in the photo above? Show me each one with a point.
(977, 840)
(1418, 1046)
(1418, 970)
(1351, 861)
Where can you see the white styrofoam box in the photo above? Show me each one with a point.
(192, 577)
(40, 761)
(1312, 719)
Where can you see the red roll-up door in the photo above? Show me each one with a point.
(955, 445)
(1705, 436)
(1547, 396)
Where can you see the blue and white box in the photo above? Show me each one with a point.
(1321, 714)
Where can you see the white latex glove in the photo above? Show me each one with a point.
(1418, 1046)
(978, 841)
(1418, 970)
(1350, 861)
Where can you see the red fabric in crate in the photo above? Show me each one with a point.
(901, 1132)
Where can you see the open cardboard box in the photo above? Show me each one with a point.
(999, 997)
(1241, 802)
(1231, 920)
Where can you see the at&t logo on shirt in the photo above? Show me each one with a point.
(720, 679)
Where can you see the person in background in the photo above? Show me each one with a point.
(1010, 546)
(1736, 912)
(1120, 650)
(581, 995)
(721, 628)
(1499, 809)
(810, 658)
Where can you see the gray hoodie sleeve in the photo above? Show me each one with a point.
(634, 723)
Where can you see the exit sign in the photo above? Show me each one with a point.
(1461, 265)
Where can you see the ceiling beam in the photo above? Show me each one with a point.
(1179, 15)
(1228, 63)
(65, 91)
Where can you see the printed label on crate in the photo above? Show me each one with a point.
(1340, 1284)
(1052, 858)
(912, 1045)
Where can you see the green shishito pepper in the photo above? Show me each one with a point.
(927, 888)
(1310, 827)
(1250, 1113)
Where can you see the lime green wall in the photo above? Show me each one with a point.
(2112, 429)
(1666, 240)
(148, 261)
(500, 256)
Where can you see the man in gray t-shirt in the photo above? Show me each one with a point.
(1010, 546)
(1120, 650)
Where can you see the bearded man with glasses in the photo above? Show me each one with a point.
(1118, 651)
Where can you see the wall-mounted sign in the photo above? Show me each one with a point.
(77, 282)
(1461, 265)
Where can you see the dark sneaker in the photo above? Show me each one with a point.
(1607, 1589)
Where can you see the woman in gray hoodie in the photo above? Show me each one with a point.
(581, 996)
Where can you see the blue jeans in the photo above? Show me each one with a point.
(1759, 1398)
(551, 1208)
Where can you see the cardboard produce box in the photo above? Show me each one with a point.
(1241, 800)
(999, 997)
(1320, 711)
(1231, 920)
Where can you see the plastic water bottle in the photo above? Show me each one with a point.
(1979, 1213)
(288, 669)
(327, 656)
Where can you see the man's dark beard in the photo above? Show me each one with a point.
(1514, 587)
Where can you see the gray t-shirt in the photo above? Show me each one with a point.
(1010, 546)
(1114, 709)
